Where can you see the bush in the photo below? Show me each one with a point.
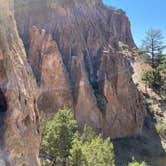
(151, 78)
(162, 69)
(91, 151)
(156, 78)
(161, 127)
(57, 136)
(88, 134)
(63, 145)
(77, 158)
(135, 163)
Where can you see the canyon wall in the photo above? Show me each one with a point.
(58, 53)
(19, 119)
(73, 49)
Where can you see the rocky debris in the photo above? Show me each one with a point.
(74, 45)
(19, 128)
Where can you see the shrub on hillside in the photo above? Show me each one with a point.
(136, 163)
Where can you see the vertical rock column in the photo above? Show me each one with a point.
(21, 138)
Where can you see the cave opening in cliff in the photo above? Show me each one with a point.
(3, 107)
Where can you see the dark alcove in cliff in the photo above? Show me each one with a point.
(3, 107)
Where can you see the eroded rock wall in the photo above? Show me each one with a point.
(75, 50)
(19, 128)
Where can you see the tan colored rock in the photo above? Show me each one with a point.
(50, 71)
(19, 143)
(124, 109)
(84, 37)
(86, 109)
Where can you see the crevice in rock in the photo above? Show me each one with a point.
(3, 110)
(100, 98)
(27, 121)
(3, 107)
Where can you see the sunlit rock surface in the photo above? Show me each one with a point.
(19, 119)
(73, 48)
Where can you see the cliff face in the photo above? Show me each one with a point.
(19, 132)
(73, 48)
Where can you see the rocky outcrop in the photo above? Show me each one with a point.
(73, 48)
(19, 126)
(50, 71)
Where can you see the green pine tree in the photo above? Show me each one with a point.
(57, 136)
(91, 151)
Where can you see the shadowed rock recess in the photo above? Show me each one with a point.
(72, 46)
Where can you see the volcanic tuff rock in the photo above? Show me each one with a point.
(50, 72)
(19, 130)
(73, 48)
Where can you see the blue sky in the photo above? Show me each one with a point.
(143, 15)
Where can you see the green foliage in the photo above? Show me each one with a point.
(62, 144)
(99, 152)
(91, 151)
(57, 135)
(154, 46)
(88, 134)
(101, 101)
(77, 158)
(151, 78)
(156, 78)
(45, 163)
(135, 163)
(160, 127)
(162, 70)
(150, 104)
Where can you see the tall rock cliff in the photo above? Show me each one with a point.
(73, 48)
(19, 130)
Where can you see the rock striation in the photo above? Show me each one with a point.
(19, 119)
(73, 47)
